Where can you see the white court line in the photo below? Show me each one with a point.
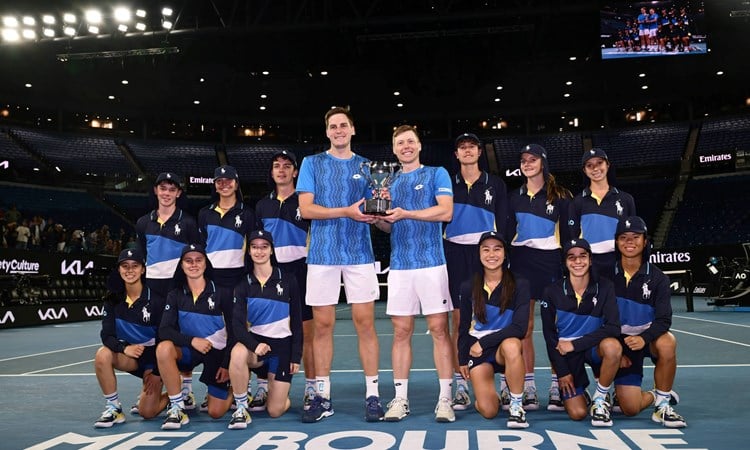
(196, 373)
(711, 337)
(88, 361)
(714, 321)
(48, 353)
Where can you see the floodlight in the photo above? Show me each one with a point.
(93, 29)
(122, 27)
(69, 18)
(122, 14)
(48, 32)
(11, 35)
(140, 26)
(10, 22)
(167, 25)
(69, 31)
(48, 19)
(167, 11)
(29, 21)
(140, 13)
(28, 34)
(93, 16)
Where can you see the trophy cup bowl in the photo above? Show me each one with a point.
(379, 175)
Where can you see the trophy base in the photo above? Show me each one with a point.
(377, 206)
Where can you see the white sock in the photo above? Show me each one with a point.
(460, 380)
(187, 386)
(503, 383)
(528, 381)
(112, 398)
(324, 386)
(445, 387)
(402, 387)
(371, 386)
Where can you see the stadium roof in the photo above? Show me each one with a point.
(282, 63)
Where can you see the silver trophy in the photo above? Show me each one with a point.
(380, 176)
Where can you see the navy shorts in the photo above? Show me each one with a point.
(633, 375)
(576, 364)
(211, 364)
(462, 262)
(487, 356)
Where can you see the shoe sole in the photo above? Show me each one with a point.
(394, 419)
(555, 408)
(601, 424)
(373, 419)
(461, 407)
(256, 408)
(531, 407)
(669, 424)
(317, 419)
(107, 424)
(517, 425)
(445, 419)
(237, 426)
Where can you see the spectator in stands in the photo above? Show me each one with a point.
(36, 225)
(595, 212)
(23, 234)
(3, 231)
(422, 198)
(494, 316)
(331, 192)
(278, 212)
(224, 226)
(479, 205)
(131, 243)
(537, 220)
(268, 329)
(161, 235)
(130, 323)
(581, 325)
(60, 237)
(643, 300)
(193, 331)
(12, 215)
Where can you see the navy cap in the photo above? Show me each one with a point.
(131, 254)
(576, 243)
(491, 235)
(594, 153)
(468, 137)
(192, 248)
(285, 154)
(632, 224)
(261, 234)
(170, 177)
(226, 172)
(535, 149)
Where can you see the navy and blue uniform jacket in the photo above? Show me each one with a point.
(597, 222)
(476, 209)
(269, 313)
(225, 239)
(135, 324)
(512, 322)
(163, 244)
(644, 304)
(184, 319)
(287, 226)
(534, 222)
(584, 324)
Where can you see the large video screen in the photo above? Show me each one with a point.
(652, 29)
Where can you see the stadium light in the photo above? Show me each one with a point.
(69, 31)
(167, 25)
(48, 32)
(69, 18)
(93, 16)
(28, 34)
(166, 11)
(122, 27)
(122, 14)
(140, 13)
(29, 21)
(49, 19)
(10, 22)
(11, 35)
(93, 29)
(140, 26)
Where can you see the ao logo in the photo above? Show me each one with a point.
(51, 314)
(93, 311)
(8, 316)
(74, 268)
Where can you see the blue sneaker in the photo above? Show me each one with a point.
(373, 409)
(319, 408)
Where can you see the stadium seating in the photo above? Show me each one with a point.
(17, 157)
(721, 135)
(78, 154)
(183, 158)
(651, 144)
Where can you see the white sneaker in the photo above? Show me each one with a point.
(240, 419)
(444, 411)
(516, 417)
(461, 400)
(398, 408)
